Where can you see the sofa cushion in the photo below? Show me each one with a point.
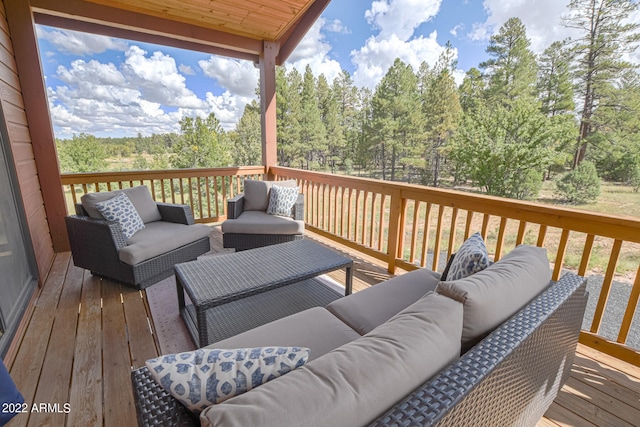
(139, 196)
(158, 238)
(470, 258)
(256, 193)
(254, 222)
(281, 200)
(121, 210)
(314, 328)
(205, 377)
(494, 294)
(359, 381)
(369, 308)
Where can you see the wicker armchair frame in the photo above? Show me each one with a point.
(509, 378)
(95, 244)
(242, 242)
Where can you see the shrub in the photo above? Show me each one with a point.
(580, 186)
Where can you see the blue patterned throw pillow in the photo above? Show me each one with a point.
(281, 200)
(470, 258)
(121, 209)
(205, 377)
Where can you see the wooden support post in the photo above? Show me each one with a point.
(268, 105)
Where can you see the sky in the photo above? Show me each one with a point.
(116, 88)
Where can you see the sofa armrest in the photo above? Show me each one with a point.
(235, 206)
(94, 242)
(80, 210)
(180, 214)
(297, 212)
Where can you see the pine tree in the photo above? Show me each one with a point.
(348, 102)
(472, 91)
(555, 89)
(248, 137)
(312, 131)
(512, 68)
(202, 144)
(334, 147)
(395, 115)
(288, 117)
(606, 35)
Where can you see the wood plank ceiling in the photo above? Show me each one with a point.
(260, 20)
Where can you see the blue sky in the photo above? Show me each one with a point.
(113, 87)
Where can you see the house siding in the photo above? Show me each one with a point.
(22, 151)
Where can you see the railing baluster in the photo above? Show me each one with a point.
(364, 217)
(586, 255)
(414, 232)
(562, 249)
(452, 231)
(485, 226)
(436, 248)
(542, 233)
(521, 230)
(356, 216)
(199, 192)
(373, 218)
(381, 224)
(73, 194)
(606, 286)
(425, 235)
(630, 310)
(500, 241)
(349, 216)
(467, 226)
(206, 189)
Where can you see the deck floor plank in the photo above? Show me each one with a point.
(58, 362)
(563, 417)
(141, 342)
(119, 409)
(31, 354)
(86, 381)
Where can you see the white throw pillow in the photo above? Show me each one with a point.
(120, 209)
(281, 200)
(205, 377)
(470, 258)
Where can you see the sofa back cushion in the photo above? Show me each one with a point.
(369, 308)
(139, 196)
(357, 382)
(256, 193)
(494, 294)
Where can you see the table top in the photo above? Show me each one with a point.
(219, 279)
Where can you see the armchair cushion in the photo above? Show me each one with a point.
(256, 193)
(158, 238)
(254, 222)
(121, 210)
(281, 200)
(139, 196)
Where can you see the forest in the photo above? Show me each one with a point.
(570, 114)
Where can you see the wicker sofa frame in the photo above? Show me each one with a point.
(95, 244)
(241, 241)
(509, 378)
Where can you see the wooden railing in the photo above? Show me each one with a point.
(411, 226)
(205, 190)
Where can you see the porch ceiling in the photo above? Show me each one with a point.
(236, 28)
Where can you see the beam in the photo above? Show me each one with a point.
(25, 45)
(137, 23)
(290, 40)
(268, 104)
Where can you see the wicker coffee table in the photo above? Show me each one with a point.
(235, 292)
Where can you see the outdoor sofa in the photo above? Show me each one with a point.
(170, 236)
(248, 224)
(493, 348)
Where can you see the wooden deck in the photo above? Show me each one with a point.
(83, 336)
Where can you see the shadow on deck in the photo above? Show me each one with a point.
(84, 334)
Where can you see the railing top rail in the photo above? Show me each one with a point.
(89, 178)
(601, 224)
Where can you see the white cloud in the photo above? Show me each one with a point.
(237, 76)
(227, 107)
(77, 43)
(396, 21)
(158, 79)
(400, 18)
(542, 20)
(336, 26)
(186, 69)
(314, 50)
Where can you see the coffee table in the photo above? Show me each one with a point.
(235, 292)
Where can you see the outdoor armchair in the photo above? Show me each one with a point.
(169, 236)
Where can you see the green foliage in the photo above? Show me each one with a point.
(555, 89)
(247, 140)
(202, 144)
(83, 153)
(581, 185)
(504, 150)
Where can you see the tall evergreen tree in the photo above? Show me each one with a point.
(312, 132)
(289, 117)
(334, 147)
(348, 102)
(395, 115)
(202, 144)
(472, 91)
(248, 137)
(512, 68)
(606, 35)
(555, 89)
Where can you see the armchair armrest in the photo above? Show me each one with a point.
(180, 214)
(235, 206)
(94, 242)
(297, 212)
